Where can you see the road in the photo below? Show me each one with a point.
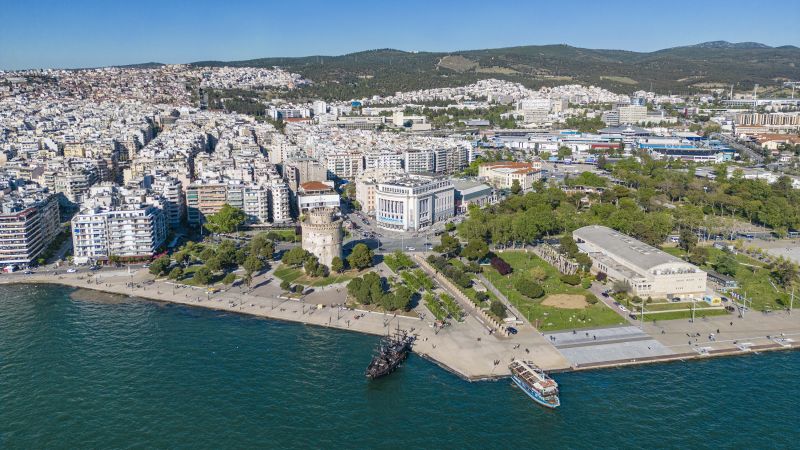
(388, 241)
(743, 149)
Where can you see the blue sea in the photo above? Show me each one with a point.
(109, 372)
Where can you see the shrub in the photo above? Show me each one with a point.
(572, 280)
(229, 278)
(601, 276)
(528, 288)
(586, 283)
(591, 299)
(299, 288)
(538, 274)
(501, 266)
(498, 309)
(285, 285)
(481, 296)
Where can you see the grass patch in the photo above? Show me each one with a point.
(621, 80)
(753, 278)
(297, 276)
(687, 314)
(548, 318)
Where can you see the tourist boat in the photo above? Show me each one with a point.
(537, 384)
(393, 350)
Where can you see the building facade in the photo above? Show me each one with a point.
(132, 232)
(413, 203)
(648, 271)
(27, 228)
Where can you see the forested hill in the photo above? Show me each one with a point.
(677, 70)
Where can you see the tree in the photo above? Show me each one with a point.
(367, 289)
(516, 188)
(299, 288)
(214, 264)
(449, 227)
(262, 246)
(253, 264)
(687, 240)
(286, 285)
(202, 276)
(247, 279)
(114, 260)
(785, 271)
(227, 220)
(568, 245)
(449, 245)
(361, 257)
(176, 273)
(337, 265)
(295, 257)
(726, 265)
(207, 254)
(475, 249)
(699, 256)
(229, 278)
(160, 266)
(181, 257)
(621, 286)
(498, 309)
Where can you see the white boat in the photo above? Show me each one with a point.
(535, 382)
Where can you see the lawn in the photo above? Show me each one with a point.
(753, 278)
(548, 318)
(686, 314)
(296, 276)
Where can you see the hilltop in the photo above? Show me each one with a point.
(679, 69)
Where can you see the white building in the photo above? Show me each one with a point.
(413, 203)
(27, 228)
(316, 194)
(133, 232)
(632, 114)
(503, 174)
(649, 271)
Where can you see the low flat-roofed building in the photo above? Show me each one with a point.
(650, 272)
(469, 192)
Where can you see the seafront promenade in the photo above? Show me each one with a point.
(466, 348)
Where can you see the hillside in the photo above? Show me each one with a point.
(679, 69)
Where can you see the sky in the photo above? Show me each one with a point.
(92, 33)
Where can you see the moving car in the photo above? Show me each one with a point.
(72, 270)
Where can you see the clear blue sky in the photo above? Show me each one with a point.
(86, 33)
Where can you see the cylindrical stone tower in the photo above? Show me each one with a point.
(322, 234)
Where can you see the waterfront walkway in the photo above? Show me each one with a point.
(465, 348)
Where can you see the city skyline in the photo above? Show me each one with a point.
(89, 34)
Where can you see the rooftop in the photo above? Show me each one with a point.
(634, 251)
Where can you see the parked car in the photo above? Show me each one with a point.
(72, 270)
(512, 330)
